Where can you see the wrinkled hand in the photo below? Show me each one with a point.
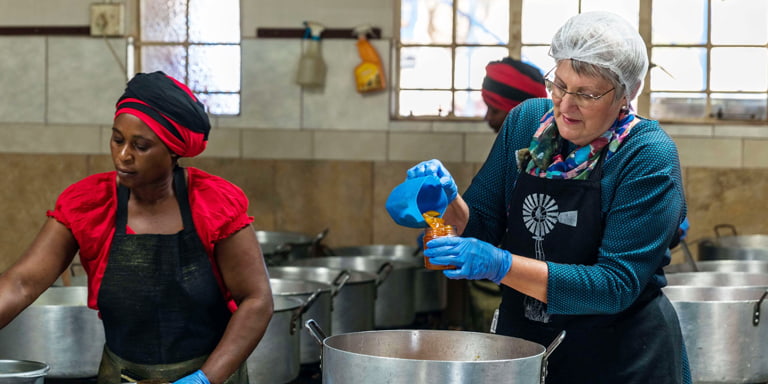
(475, 259)
(435, 167)
(197, 377)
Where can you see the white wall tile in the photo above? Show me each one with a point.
(338, 105)
(84, 79)
(39, 138)
(743, 131)
(478, 145)
(277, 144)
(688, 130)
(350, 145)
(23, 79)
(33, 13)
(425, 146)
(224, 143)
(700, 152)
(756, 153)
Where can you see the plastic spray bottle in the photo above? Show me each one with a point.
(312, 68)
(369, 75)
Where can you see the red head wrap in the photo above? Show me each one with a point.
(509, 82)
(170, 109)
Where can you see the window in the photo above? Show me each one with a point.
(198, 43)
(708, 62)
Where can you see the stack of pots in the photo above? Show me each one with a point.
(431, 294)
(395, 305)
(277, 357)
(280, 248)
(733, 246)
(60, 330)
(722, 317)
(353, 292)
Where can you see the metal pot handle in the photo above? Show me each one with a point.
(729, 226)
(303, 309)
(315, 330)
(756, 312)
(688, 257)
(548, 351)
(339, 281)
(383, 272)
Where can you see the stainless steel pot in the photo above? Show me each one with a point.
(718, 279)
(396, 284)
(430, 356)
(283, 247)
(725, 332)
(22, 372)
(319, 310)
(733, 246)
(59, 329)
(277, 357)
(752, 266)
(431, 285)
(354, 294)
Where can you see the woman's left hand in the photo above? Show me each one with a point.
(475, 259)
(198, 377)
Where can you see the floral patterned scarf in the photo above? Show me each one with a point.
(544, 156)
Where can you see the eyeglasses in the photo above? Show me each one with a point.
(580, 98)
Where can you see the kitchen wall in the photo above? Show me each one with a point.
(308, 160)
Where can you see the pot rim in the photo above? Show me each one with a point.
(39, 368)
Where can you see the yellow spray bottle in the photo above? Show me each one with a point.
(369, 75)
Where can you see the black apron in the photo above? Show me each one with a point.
(160, 302)
(561, 221)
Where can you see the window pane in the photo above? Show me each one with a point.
(220, 103)
(164, 20)
(214, 68)
(482, 22)
(542, 18)
(426, 22)
(538, 57)
(425, 103)
(739, 69)
(471, 62)
(678, 105)
(425, 67)
(735, 106)
(740, 22)
(628, 9)
(679, 69)
(211, 21)
(469, 104)
(688, 26)
(171, 59)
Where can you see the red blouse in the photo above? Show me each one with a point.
(88, 208)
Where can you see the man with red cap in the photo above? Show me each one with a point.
(174, 267)
(509, 82)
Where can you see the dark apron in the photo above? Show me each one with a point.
(561, 221)
(161, 305)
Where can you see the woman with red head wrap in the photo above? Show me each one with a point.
(174, 268)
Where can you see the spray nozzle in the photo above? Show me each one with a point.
(313, 29)
(362, 30)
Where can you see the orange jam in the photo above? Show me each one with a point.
(436, 228)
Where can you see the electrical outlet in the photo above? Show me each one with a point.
(107, 19)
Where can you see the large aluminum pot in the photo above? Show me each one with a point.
(725, 331)
(752, 266)
(58, 329)
(277, 357)
(733, 246)
(431, 285)
(283, 247)
(718, 279)
(22, 372)
(354, 294)
(430, 356)
(396, 283)
(320, 310)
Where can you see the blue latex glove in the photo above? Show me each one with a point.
(436, 168)
(197, 377)
(684, 226)
(475, 259)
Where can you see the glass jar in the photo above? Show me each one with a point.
(435, 232)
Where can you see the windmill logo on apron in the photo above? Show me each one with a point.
(540, 214)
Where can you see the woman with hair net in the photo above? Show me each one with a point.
(585, 198)
(174, 267)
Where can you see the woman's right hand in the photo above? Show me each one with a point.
(435, 168)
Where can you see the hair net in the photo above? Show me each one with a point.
(606, 40)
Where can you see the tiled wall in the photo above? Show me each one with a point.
(308, 160)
